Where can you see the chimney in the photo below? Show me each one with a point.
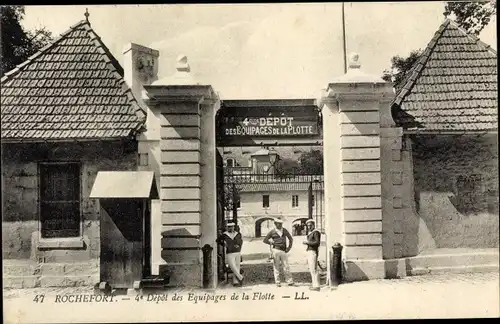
(140, 64)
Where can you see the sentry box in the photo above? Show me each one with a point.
(125, 212)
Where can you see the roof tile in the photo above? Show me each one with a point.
(453, 85)
(66, 84)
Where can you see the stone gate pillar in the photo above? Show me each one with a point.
(360, 144)
(185, 115)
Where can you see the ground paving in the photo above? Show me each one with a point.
(469, 295)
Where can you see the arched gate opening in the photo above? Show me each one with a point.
(263, 224)
(269, 165)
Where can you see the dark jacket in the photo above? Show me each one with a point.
(313, 240)
(233, 245)
(279, 242)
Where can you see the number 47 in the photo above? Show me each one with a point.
(39, 298)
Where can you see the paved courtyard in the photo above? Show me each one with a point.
(439, 296)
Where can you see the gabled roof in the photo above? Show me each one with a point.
(279, 186)
(71, 89)
(452, 87)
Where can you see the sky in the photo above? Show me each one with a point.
(253, 51)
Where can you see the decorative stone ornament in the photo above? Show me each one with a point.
(354, 61)
(86, 14)
(182, 76)
(182, 64)
(355, 75)
(145, 66)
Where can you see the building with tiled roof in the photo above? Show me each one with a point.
(66, 114)
(263, 195)
(448, 109)
(452, 87)
(72, 88)
(294, 199)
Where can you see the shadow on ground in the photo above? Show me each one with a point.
(262, 273)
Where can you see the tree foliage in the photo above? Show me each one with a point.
(471, 16)
(400, 67)
(286, 167)
(17, 43)
(311, 162)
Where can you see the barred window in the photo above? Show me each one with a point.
(59, 199)
(295, 201)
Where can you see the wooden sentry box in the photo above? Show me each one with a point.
(125, 228)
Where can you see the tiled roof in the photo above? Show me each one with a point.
(253, 183)
(71, 89)
(451, 87)
(278, 186)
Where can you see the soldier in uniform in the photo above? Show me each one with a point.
(313, 241)
(277, 239)
(233, 242)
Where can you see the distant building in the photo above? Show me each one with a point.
(263, 195)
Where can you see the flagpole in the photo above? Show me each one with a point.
(343, 39)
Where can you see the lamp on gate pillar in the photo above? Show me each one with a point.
(272, 159)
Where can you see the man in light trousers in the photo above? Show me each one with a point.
(233, 242)
(277, 239)
(313, 241)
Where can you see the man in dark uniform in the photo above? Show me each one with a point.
(313, 241)
(233, 242)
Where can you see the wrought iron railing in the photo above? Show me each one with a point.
(246, 177)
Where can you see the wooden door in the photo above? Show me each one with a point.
(122, 232)
(60, 199)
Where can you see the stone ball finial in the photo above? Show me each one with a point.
(354, 61)
(182, 59)
(182, 63)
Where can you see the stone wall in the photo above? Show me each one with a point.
(20, 226)
(447, 220)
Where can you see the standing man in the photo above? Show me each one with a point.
(233, 242)
(277, 239)
(313, 240)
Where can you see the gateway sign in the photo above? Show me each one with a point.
(271, 126)
(255, 122)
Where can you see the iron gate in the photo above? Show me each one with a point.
(238, 181)
(316, 203)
